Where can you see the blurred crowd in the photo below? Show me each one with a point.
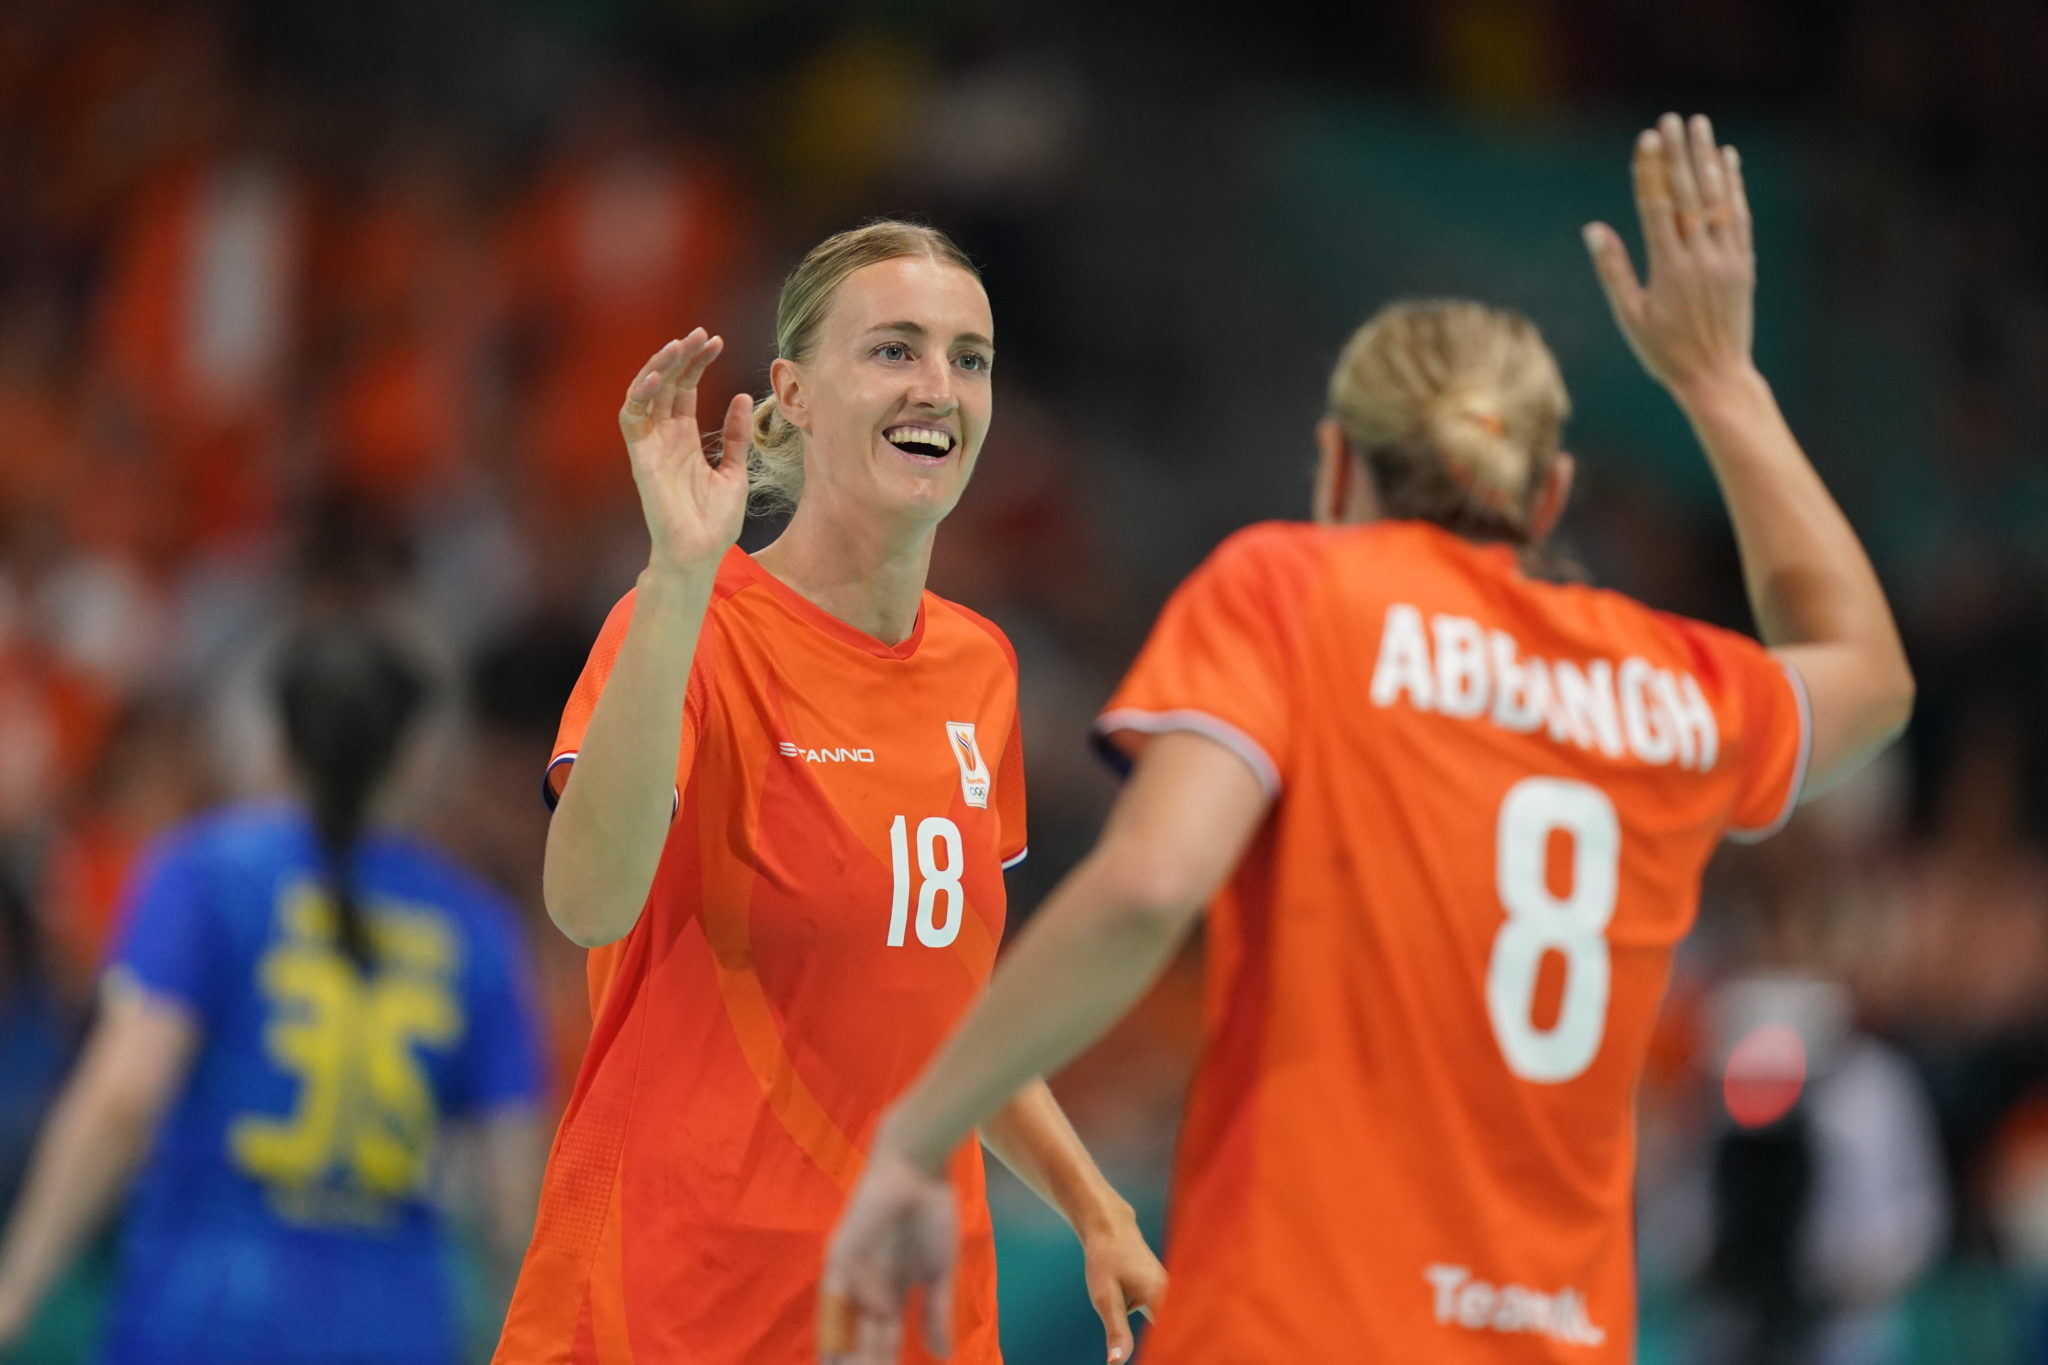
(307, 303)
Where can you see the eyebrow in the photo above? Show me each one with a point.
(917, 330)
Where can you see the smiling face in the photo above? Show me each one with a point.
(895, 397)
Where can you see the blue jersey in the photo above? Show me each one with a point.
(282, 1214)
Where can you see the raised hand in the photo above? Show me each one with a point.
(695, 502)
(1694, 318)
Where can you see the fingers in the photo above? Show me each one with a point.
(1617, 276)
(1653, 198)
(638, 409)
(666, 387)
(1108, 1297)
(680, 385)
(738, 431)
(1685, 190)
(1738, 199)
(1713, 182)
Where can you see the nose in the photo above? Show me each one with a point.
(931, 386)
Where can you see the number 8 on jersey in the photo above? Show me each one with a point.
(1539, 920)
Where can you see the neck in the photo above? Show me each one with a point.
(868, 576)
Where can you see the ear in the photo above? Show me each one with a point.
(1343, 492)
(785, 377)
(1548, 508)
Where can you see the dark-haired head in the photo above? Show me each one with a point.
(348, 695)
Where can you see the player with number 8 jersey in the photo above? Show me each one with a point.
(788, 785)
(1453, 814)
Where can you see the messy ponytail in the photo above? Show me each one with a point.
(775, 455)
(1456, 409)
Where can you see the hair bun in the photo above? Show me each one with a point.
(1468, 431)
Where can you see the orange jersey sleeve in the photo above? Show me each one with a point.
(597, 669)
(1217, 663)
(1765, 702)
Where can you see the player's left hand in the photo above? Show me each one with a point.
(1124, 1277)
(900, 1230)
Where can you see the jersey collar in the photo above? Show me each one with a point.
(744, 566)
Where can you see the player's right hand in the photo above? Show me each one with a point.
(695, 501)
(1692, 321)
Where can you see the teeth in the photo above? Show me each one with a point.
(919, 436)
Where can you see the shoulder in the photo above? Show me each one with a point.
(945, 614)
(1709, 650)
(245, 833)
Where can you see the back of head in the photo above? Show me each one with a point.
(1456, 410)
(775, 459)
(347, 694)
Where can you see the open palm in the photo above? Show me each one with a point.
(1695, 315)
(695, 502)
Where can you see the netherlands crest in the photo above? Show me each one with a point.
(974, 779)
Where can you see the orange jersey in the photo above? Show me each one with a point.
(1434, 974)
(828, 904)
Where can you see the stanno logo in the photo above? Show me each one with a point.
(973, 772)
(789, 750)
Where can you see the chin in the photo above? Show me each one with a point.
(925, 494)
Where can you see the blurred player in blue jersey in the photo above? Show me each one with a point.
(296, 1003)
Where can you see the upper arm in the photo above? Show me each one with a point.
(1221, 660)
(138, 1056)
(169, 946)
(590, 685)
(1854, 711)
(1180, 825)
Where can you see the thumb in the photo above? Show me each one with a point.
(1617, 276)
(1116, 1318)
(738, 433)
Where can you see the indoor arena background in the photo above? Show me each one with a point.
(306, 301)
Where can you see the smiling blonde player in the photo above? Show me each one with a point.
(1458, 817)
(789, 784)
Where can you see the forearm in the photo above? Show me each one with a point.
(1033, 1138)
(81, 1165)
(1808, 577)
(1081, 963)
(606, 836)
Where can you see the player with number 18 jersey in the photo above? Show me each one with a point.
(828, 902)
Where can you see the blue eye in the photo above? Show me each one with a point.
(972, 360)
(893, 350)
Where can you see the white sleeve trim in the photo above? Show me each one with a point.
(547, 788)
(1799, 764)
(1201, 723)
(1019, 856)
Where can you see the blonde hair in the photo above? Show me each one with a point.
(775, 456)
(1456, 409)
